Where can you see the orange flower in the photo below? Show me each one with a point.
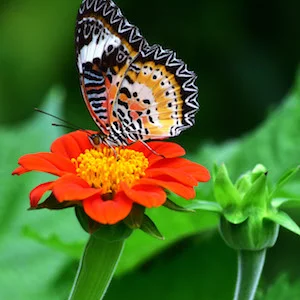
(106, 181)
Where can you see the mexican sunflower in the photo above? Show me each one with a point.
(107, 181)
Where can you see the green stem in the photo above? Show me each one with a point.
(250, 265)
(96, 269)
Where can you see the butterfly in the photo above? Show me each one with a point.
(134, 91)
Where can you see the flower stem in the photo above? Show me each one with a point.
(250, 265)
(96, 269)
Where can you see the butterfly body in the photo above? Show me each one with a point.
(133, 91)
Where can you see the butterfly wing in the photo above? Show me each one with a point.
(157, 97)
(106, 44)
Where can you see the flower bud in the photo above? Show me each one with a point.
(249, 212)
(253, 234)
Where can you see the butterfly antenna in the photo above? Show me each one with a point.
(63, 125)
(60, 119)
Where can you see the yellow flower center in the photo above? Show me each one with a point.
(103, 168)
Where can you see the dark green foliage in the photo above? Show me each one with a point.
(246, 59)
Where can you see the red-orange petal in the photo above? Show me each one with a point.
(72, 144)
(177, 188)
(198, 171)
(160, 151)
(146, 195)
(108, 211)
(19, 171)
(37, 193)
(71, 187)
(46, 162)
(176, 175)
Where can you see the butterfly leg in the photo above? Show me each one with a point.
(153, 151)
(113, 149)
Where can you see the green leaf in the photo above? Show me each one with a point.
(284, 179)
(284, 220)
(150, 228)
(53, 241)
(224, 190)
(243, 184)
(83, 219)
(52, 203)
(286, 202)
(42, 259)
(135, 219)
(256, 196)
(205, 206)
(281, 289)
(189, 256)
(173, 206)
(257, 171)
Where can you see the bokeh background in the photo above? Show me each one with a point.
(246, 55)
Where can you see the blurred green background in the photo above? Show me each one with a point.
(246, 55)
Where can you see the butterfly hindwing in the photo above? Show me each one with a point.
(158, 96)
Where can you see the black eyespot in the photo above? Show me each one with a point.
(109, 48)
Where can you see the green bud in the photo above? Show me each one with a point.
(249, 218)
(254, 233)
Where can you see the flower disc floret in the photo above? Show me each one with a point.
(105, 168)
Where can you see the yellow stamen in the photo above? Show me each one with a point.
(103, 168)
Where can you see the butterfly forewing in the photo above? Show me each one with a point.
(133, 91)
(106, 44)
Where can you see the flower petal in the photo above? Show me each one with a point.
(71, 187)
(19, 171)
(174, 174)
(199, 172)
(37, 193)
(146, 195)
(160, 150)
(176, 187)
(45, 162)
(72, 144)
(108, 211)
